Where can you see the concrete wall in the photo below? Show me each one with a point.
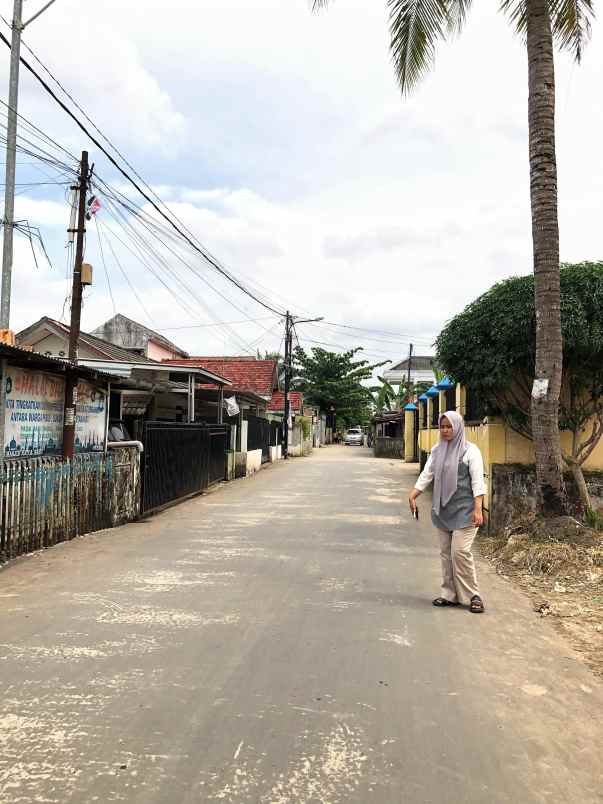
(57, 347)
(298, 445)
(514, 494)
(254, 461)
(156, 351)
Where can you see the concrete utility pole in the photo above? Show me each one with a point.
(409, 363)
(76, 314)
(11, 157)
(288, 337)
(290, 320)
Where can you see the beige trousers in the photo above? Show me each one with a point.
(459, 581)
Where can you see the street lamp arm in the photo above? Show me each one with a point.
(306, 320)
(37, 14)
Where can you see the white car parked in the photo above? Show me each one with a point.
(354, 437)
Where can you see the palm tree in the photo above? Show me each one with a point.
(415, 28)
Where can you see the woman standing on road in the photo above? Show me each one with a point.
(457, 470)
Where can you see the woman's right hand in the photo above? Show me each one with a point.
(412, 500)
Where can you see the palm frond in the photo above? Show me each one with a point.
(516, 11)
(571, 24)
(457, 14)
(570, 21)
(415, 28)
(317, 5)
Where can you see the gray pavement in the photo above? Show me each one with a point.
(273, 642)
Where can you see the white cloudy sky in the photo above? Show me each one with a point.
(282, 141)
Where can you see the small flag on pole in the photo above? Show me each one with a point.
(93, 207)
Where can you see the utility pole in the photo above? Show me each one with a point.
(290, 321)
(8, 222)
(76, 314)
(288, 339)
(11, 160)
(409, 363)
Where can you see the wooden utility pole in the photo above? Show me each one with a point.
(76, 314)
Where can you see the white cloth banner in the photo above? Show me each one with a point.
(232, 408)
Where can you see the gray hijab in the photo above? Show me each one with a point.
(445, 458)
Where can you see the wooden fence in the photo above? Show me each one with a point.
(46, 500)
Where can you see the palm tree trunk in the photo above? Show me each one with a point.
(545, 236)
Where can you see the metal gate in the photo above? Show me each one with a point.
(219, 442)
(181, 459)
(259, 436)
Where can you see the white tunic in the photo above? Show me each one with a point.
(472, 458)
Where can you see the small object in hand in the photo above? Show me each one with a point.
(415, 513)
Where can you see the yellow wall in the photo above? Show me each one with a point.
(499, 444)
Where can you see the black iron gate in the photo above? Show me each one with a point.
(181, 459)
(219, 443)
(259, 436)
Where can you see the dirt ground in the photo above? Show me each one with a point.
(564, 579)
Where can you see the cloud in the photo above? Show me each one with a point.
(283, 143)
(385, 238)
(112, 83)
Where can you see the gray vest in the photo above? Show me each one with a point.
(458, 513)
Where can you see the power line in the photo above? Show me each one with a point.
(107, 140)
(126, 277)
(150, 200)
(404, 335)
(100, 246)
(216, 324)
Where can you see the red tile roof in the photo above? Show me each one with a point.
(277, 403)
(245, 373)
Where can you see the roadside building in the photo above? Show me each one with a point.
(128, 334)
(422, 370)
(252, 384)
(142, 389)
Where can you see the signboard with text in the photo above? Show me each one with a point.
(33, 423)
(91, 411)
(34, 412)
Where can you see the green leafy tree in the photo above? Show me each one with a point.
(416, 26)
(491, 348)
(388, 399)
(385, 396)
(335, 379)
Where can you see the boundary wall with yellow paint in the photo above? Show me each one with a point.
(497, 442)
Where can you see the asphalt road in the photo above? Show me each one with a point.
(274, 642)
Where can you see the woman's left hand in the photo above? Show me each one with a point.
(478, 518)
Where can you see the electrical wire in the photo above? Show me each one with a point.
(131, 286)
(202, 251)
(100, 247)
